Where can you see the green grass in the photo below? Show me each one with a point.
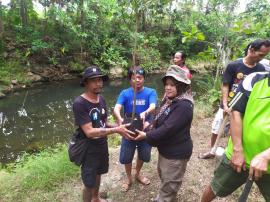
(43, 171)
(114, 140)
(40, 176)
(12, 70)
(202, 109)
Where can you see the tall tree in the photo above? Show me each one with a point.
(1, 20)
(23, 13)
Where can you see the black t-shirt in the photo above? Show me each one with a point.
(172, 131)
(235, 72)
(96, 113)
(244, 90)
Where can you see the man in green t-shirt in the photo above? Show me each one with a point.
(248, 152)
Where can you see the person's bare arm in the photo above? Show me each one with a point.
(150, 109)
(237, 160)
(117, 113)
(91, 132)
(225, 95)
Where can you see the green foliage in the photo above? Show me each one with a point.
(195, 34)
(149, 58)
(209, 89)
(208, 54)
(77, 67)
(111, 58)
(39, 45)
(114, 140)
(168, 46)
(43, 171)
(104, 32)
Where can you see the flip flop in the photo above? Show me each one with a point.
(143, 180)
(126, 186)
(206, 155)
(105, 200)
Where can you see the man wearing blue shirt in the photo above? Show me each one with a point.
(146, 101)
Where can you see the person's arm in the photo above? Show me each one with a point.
(91, 132)
(259, 164)
(117, 113)
(227, 79)
(237, 160)
(152, 106)
(172, 124)
(118, 106)
(149, 110)
(225, 95)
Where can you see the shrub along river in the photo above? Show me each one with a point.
(42, 116)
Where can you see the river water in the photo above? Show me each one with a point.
(42, 116)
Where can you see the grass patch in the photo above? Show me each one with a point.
(114, 140)
(202, 109)
(43, 171)
(12, 70)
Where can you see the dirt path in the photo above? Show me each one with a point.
(198, 175)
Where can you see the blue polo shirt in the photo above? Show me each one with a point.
(144, 98)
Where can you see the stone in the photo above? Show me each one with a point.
(33, 77)
(14, 81)
(116, 72)
(2, 95)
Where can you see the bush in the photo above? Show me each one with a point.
(111, 58)
(209, 89)
(39, 45)
(149, 58)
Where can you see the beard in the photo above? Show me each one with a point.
(97, 91)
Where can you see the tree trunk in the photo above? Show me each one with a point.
(23, 13)
(143, 21)
(224, 53)
(207, 9)
(1, 21)
(171, 21)
(81, 22)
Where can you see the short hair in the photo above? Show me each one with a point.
(257, 44)
(183, 55)
(136, 70)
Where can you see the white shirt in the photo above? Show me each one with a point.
(266, 64)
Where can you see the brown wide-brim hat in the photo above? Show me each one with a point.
(92, 72)
(177, 73)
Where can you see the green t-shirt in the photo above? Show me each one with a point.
(256, 121)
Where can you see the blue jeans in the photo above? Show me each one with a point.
(128, 148)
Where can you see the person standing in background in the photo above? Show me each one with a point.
(179, 60)
(235, 72)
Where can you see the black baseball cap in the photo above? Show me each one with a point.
(92, 72)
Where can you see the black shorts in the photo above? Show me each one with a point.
(96, 162)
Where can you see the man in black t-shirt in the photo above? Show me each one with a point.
(90, 114)
(235, 72)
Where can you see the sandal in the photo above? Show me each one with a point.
(143, 180)
(207, 155)
(126, 186)
(104, 200)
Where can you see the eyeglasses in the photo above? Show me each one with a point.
(140, 71)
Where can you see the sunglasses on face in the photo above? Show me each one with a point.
(140, 71)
